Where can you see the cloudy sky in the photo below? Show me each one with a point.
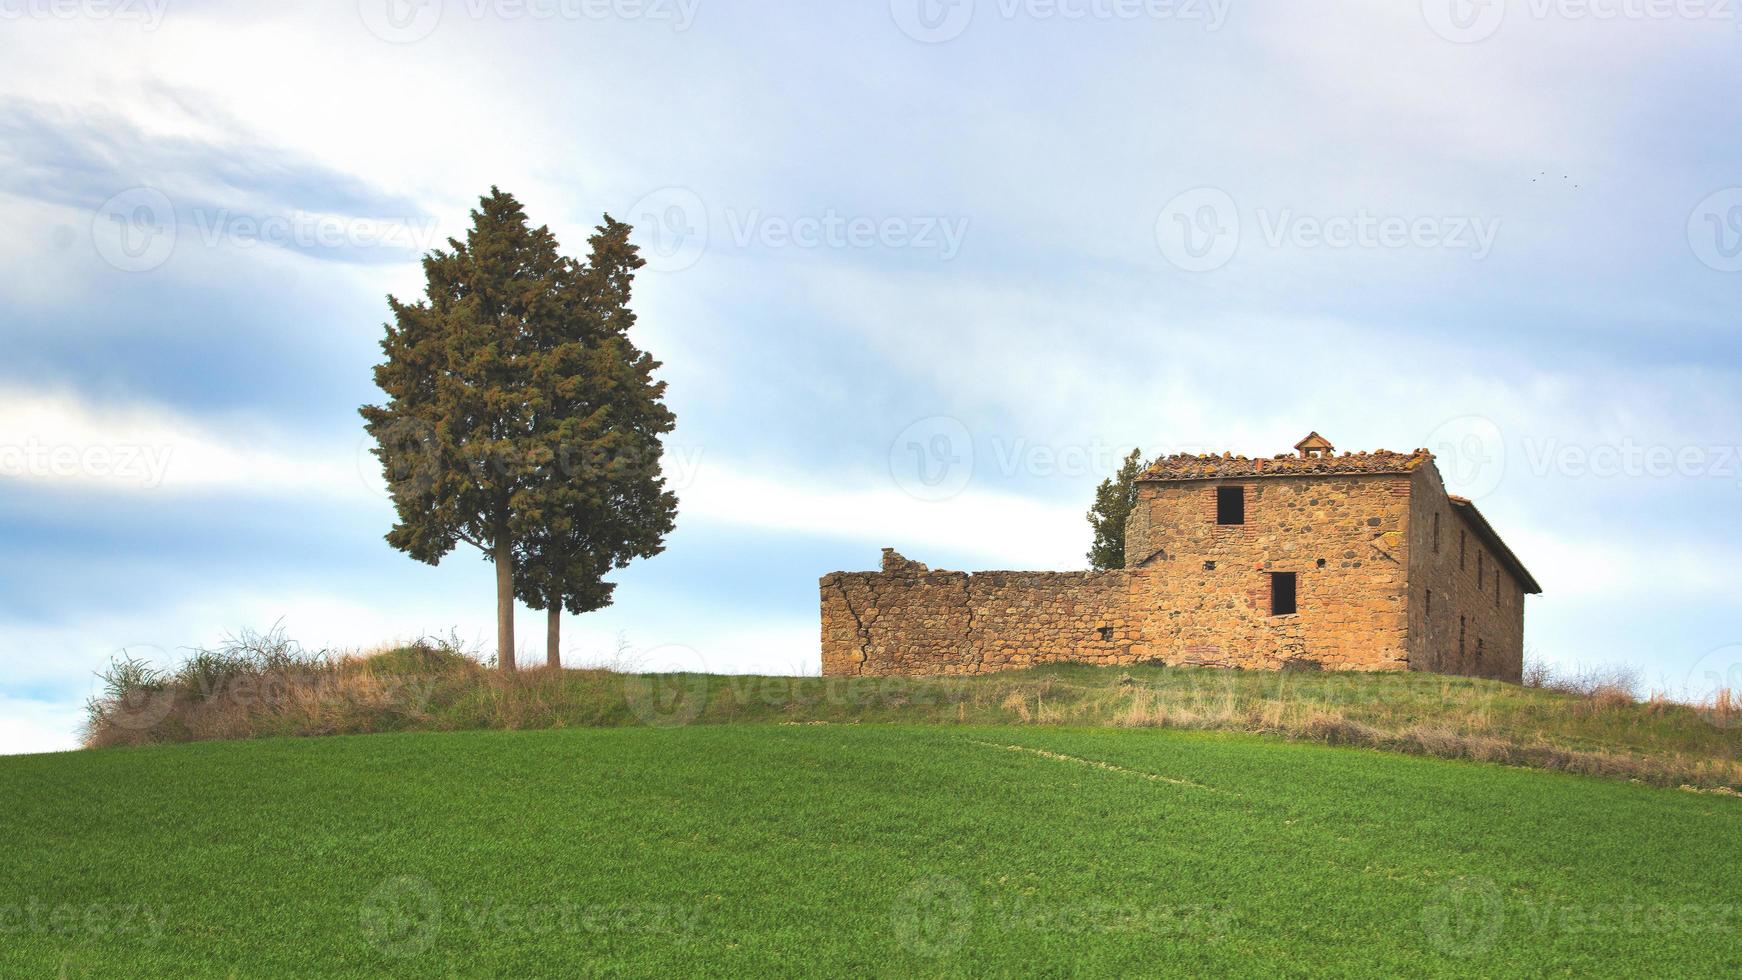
(920, 272)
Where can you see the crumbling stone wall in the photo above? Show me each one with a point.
(1356, 530)
(908, 619)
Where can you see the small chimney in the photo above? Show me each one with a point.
(1314, 445)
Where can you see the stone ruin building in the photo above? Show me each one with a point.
(1359, 561)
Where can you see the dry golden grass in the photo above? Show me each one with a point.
(264, 686)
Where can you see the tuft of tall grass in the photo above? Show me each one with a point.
(1611, 681)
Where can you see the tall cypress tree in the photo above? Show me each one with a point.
(601, 500)
(458, 435)
(1114, 500)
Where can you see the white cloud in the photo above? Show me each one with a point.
(1002, 527)
(1622, 567)
(37, 726)
(59, 437)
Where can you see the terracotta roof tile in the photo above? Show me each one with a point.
(1185, 466)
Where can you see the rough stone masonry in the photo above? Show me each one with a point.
(1359, 561)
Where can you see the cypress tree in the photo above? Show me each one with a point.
(600, 500)
(1114, 500)
(457, 436)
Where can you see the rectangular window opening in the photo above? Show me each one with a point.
(1430, 604)
(1463, 540)
(1230, 505)
(1282, 593)
(1436, 532)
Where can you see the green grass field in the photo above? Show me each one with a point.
(850, 849)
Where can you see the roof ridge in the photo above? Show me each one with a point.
(1189, 466)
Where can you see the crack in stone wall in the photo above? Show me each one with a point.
(858, 626)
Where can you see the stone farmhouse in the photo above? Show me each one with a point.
(1359, 561)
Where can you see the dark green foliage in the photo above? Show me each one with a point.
(457, 437)
(598, 499)
(520, 418)
(1114, 499)
(457, 430)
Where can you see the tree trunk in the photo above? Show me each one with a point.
(504, 604)
(553, 630)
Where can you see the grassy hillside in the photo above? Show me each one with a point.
(885, 850)
(254, 689)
